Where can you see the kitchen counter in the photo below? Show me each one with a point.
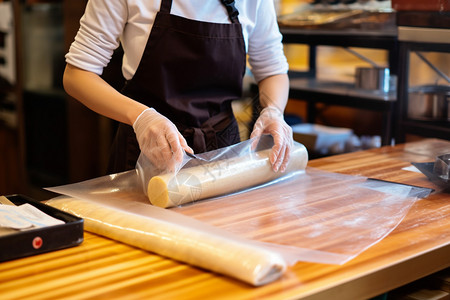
(103, 269)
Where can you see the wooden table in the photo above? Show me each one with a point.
(104, 269)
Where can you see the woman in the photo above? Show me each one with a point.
(183, 63)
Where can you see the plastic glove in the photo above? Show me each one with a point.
(271, 121)
(159, 140)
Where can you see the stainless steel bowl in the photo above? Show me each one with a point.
(429, 102)
(375, 79)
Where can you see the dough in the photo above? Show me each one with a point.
(220, 177)
(5, 201)
(234, 257)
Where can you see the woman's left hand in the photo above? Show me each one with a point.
(271, 121)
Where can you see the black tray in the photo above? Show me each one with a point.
(44, 239)
(427, 169)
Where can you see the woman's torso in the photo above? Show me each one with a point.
(105, 23)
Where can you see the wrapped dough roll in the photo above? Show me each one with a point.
(229, 256)
(220, 177)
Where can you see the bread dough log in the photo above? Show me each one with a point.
(220, 177)
(233, 257)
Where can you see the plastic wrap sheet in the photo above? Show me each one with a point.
(317, 216)
(219, 172)
(312, 216)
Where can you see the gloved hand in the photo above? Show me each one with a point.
(159, 140)
(271, 121)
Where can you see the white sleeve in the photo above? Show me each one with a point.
(265, 49)
(100, 29)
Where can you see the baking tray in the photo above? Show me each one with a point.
(44, 239)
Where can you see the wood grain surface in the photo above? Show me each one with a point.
(104, 269)
(322, 211)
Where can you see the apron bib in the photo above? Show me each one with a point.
(190, 72)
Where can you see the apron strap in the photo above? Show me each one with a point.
(232, 10)
(166, 6)
(205, 137)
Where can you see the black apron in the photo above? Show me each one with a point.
(190, 72)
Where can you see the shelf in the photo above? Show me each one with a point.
(337, 38)
(315, 91)
(424, 35)
(367, 29)
(344, 94)
(439, 130)
(307, 87)
(424, 39)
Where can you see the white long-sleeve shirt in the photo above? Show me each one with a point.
(107, 23)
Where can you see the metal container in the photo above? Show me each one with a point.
(375, 78)
(442, 166)
(429, 102)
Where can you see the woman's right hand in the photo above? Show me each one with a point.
(159, 140)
